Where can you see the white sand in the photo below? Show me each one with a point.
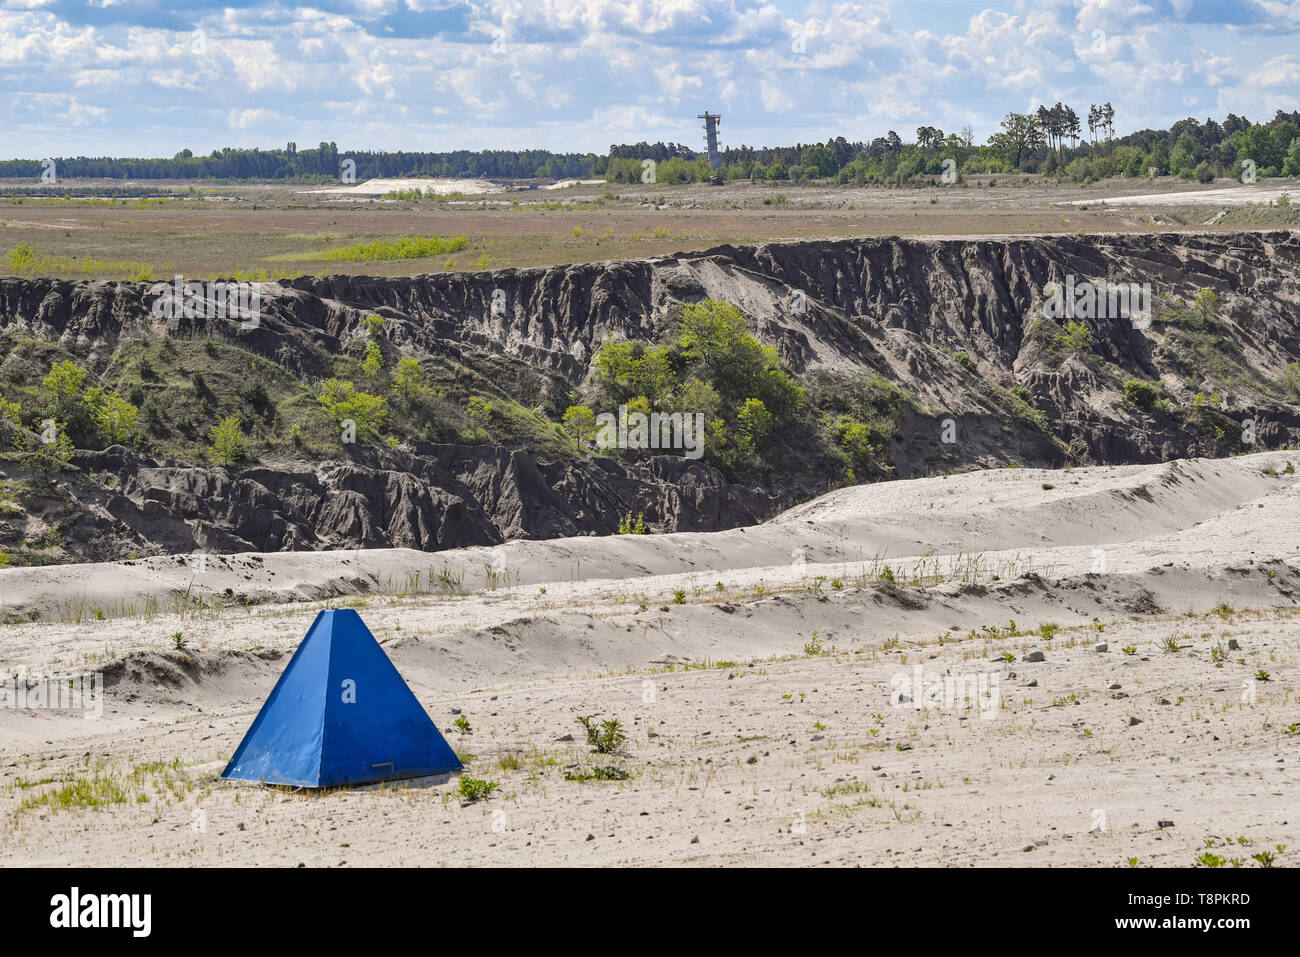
(430, 186)
(1209, 196)
(725, 676)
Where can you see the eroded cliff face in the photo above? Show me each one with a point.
(423, 496)
(900, 308)
(979, 296)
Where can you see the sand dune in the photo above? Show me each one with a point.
(430, 186)
(758, 674)
(1130, 511)
(1215, 196)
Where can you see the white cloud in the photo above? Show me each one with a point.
(578, 74)
(247, 119)
(1280, 71)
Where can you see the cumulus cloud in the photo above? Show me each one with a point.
(1280, 71)
(580, 74)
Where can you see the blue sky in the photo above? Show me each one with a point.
(148, 78)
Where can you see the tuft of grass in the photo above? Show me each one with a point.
(509, 762)
(607, 773)
(476, 789)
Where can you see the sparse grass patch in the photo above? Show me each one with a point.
(408, 247)
(604, 773)
(99, 789)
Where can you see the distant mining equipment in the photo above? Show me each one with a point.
(711, 123)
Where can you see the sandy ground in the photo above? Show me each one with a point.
(211, 230)
(767, 679)
(431, 187)
(1213, 195)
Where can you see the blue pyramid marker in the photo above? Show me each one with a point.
(340, 714)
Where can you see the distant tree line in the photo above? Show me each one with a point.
(323, 163)
(1051, 140)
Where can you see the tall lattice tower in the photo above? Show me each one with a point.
(711, 123)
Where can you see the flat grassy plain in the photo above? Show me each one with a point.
(268, 231)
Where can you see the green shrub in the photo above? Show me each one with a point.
(480, 413)
(605, 737)
(342, 401)
(1141, 394)
(710, 364)
(713, 335)
(84, 411)
(408, 379)
(1206, 305)
(115, 418)
(10, 415)
(754, 421)
(65, 384)
(629, 526)
(374, 361)
(475, 789)
(228, 443)
(255, 395)
(1075, 338)
(44, 458)
(864, 443)
(1291, 380)
(580, 422)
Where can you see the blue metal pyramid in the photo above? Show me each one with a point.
(340, 714)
